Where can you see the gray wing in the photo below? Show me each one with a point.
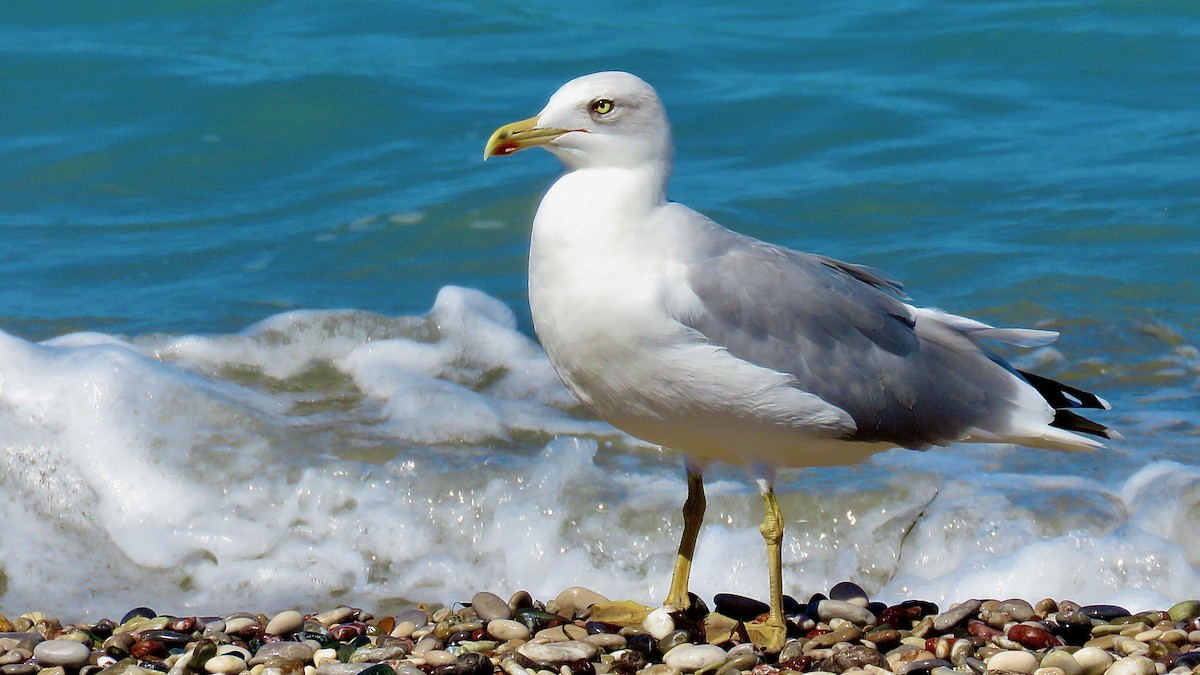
(836, 328)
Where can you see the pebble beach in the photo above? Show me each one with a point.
(580, 632)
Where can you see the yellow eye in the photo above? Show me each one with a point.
(602, 106)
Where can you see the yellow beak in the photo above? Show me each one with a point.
(519, 135)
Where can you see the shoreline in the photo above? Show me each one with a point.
(580, 632)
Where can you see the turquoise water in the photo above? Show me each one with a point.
(173, 173)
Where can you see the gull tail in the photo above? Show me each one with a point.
(1062, 398)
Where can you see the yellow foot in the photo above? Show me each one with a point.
(620, 612)
(768, 636)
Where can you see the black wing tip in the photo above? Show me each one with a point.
(1070, 421)
(1060, 395)
(1063, 398)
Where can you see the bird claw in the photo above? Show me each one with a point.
(768, 636)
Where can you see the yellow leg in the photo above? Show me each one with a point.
(693, 516)
(774, 633)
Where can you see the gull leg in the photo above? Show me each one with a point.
(773, 633)
(693, 516)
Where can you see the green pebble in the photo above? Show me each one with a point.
(1182, 611)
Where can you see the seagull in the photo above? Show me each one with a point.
(696, 338)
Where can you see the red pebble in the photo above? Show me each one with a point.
(900, 618)
(1033, 637)
(148, 650)
(816, 631)
(981, 630)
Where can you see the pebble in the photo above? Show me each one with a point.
(284, 651)
(226, 664)
(490, 607)
(285, 623)
(1062, 661)
(688, 658)
(61, 653)
(1132, 665)
(507, 629)
(576, 600)
(1017, 662)
(739, 607)
(839, 609)
(848, 591)
(558, 653)
(842, 634)
(658, 623)
(956, 615)
(1094, 661)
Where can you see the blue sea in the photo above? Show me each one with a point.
(264, 338)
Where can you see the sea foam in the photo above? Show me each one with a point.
(322, 457)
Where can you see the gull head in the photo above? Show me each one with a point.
(603, 120)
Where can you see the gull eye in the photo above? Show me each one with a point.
(602, 106)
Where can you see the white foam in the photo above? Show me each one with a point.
(340, 456)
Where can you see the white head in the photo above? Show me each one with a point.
(609, 119)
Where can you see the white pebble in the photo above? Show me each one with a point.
(1093, 660)
(558, 652)
(689, 658)
(62, 653)
(1132, 665)
(659, 623)
(1017, 662)
(226, 664)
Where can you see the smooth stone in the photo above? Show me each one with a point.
(562, 633)
(415, 616)
(368, 654)
(659, 623)
(438, 657)
(467, 664)
(285, 623)
(1063, 661)
(334, 616)
(739, 607)
(139, 612)
(922, 665)
(838, 609)
(520, 600)
(849, 633)
(1093, 660)
(489, 607)
(688, 658)
(1017, 662)
(342, 668)
(225, 664)
(233, 650)
(848, 591)
(576, 600)
(855, 657)
(239, 624)
(1018, 609)
(1049, 671)
(293, 652)
(955, 615)
(507, 629)
(19, 669)
(1032, 637)
(1182, 611)
(62, 653)
(1104, 612)
(558, 653)
(674, 639)
(606, 641)
(1132, 665)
